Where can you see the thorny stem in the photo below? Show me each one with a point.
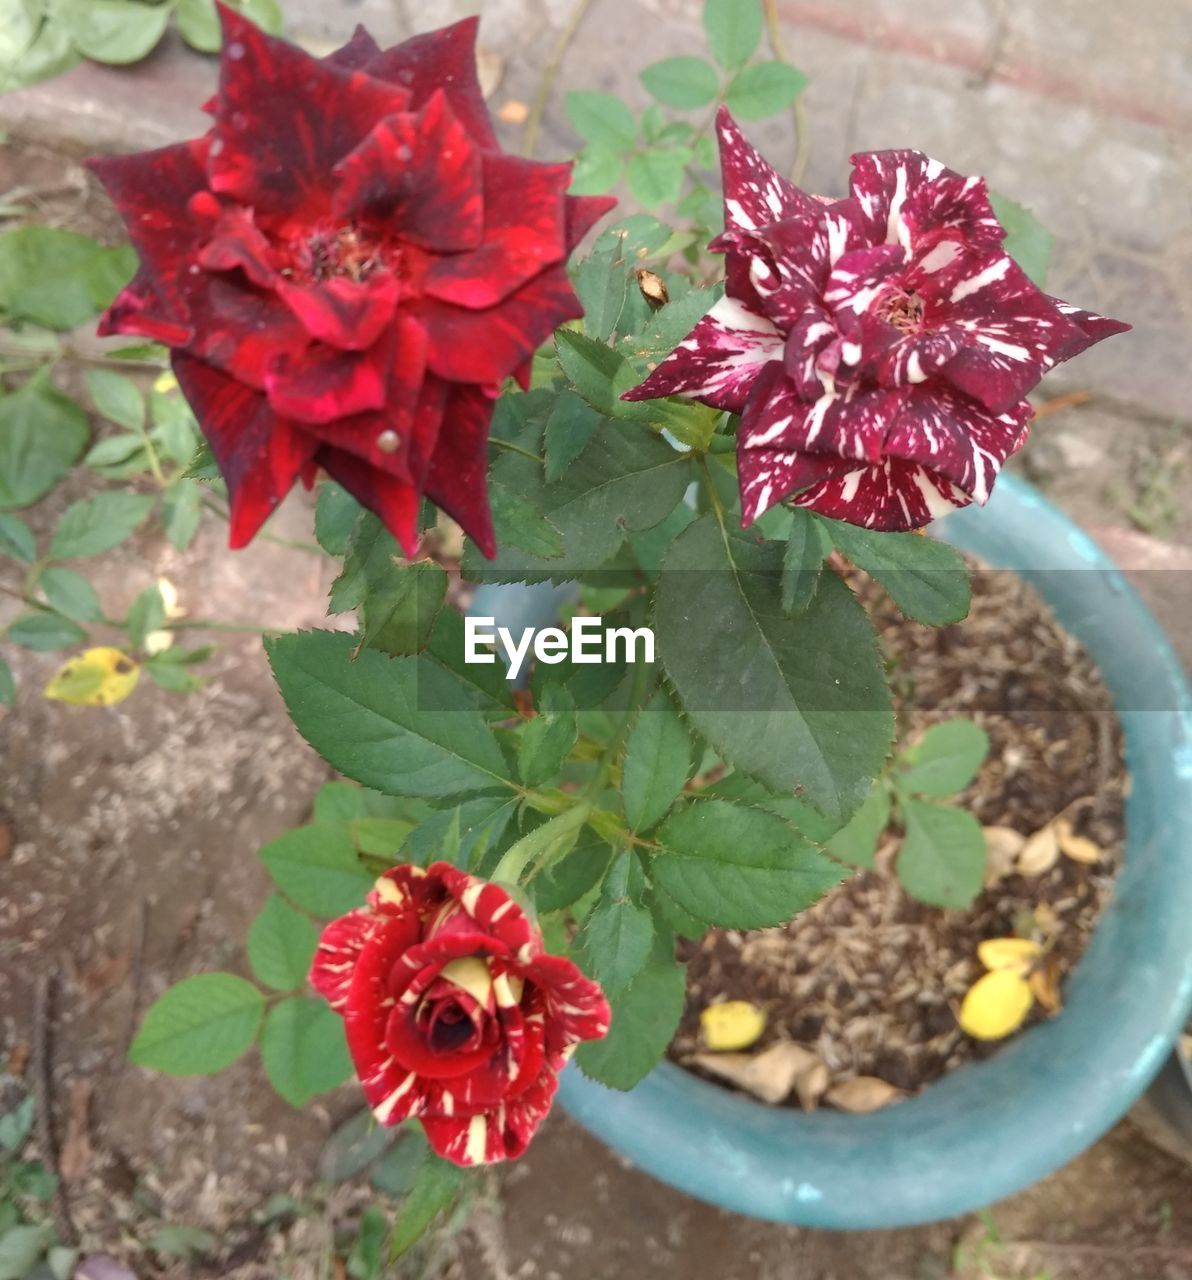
(549, 75)
(798, 111)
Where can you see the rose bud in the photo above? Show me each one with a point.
(453, 1011)
(346, 267)
(878, 348)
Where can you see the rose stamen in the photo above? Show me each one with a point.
(902, 310)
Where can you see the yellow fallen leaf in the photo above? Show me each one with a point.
(812, 1083)
(996, 1005)
(1016, 954)
(95, 678)
(1040, 853)
(1079, 848)
(863, 1094)
(735, 1024)
(769, 1075)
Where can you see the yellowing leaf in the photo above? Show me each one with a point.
(1040, 853)
(1015, 954)
(769, 1075)
(1078, 848)
(1002, 847)
(735, 1024)
(996, 1005)
(96, 678)
(164, 383)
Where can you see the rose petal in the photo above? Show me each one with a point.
(755, 194)
(237, 243)
(326, 384)
(1092, 328)
(344, 313)
(138, 311)
(360, 50)
(259, 454)
(340, 945)
(394, 502)
(457, 478)
(487, 346)
(719, 360)
(274, 148)
(443, 59)
(524, 232)
(882, 182)
(422, 173)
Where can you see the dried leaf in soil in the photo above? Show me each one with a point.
(1040, 853)
(863, 1094)
(770, 1075)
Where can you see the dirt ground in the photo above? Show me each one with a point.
(132, 864)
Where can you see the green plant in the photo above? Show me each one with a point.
(30, 1248)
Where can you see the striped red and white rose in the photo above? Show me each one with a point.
(454, 1012)
(879, 348)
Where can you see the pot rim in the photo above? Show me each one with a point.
(993, 1127)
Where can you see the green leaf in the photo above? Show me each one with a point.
(175, 431)
(170, 675)
(8, 688)
(402, 725)
(798, 704)
(801, 561)
(656, 176)
(925, 578)
(517, 524)
(70, 594)
(16, 539)
(93, 525)
(618, 935)
(59, 279)
(395, 1172)
(50, 53)
(199, 1026)
(400, 607)
(119, 455)
(856, 842)
(645, 1017)
(435, 1189)
(625, 479)
(182, 512)
(114, 31)
(567, 880)
(547, 739)
(682, 82)
(657, 763)
(738, 867)
(380, 837)
(343, 801)
(763, 90)
(281, 945)
(117, 397)
(42, 435)
(147, 613)
(368, 561)
(199, 24)
(464, 835)
(946, 760)
(1028, 241)
(601, 284)
(318, 868)
(942, 859)
(45, 631)
(734, 30)
(267, 14)
(569, 430)
(596, 171)
(21, 1248)
(601, 119)
(303, 1049)
(336, 514)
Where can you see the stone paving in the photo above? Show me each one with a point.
(1081, 109)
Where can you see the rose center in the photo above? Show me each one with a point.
(903, 310)
(349, 252)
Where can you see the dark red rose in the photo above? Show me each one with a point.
(454, 1013)
(878, 348)
(347, 267)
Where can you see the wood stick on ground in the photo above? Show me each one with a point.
(42, 1080)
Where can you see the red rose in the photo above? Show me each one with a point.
(453, 1011)
(347, 267)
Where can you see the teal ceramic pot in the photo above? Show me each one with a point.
(993, 1127)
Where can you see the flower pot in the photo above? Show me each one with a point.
(990, 1128)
